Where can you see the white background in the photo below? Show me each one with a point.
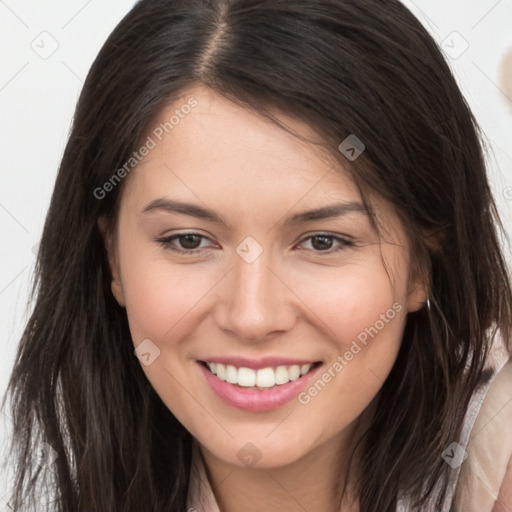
(38, 93)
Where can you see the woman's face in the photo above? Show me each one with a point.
(259, 285)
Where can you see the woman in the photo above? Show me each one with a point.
(259, 286)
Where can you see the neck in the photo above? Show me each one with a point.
(313, 482)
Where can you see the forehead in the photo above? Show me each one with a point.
(218, 145)
(248, 172)
(242, 166)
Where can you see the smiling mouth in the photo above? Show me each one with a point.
(264, 378)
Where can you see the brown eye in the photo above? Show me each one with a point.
(183, 243)
(323, 243)
(189, 241)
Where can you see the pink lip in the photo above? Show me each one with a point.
(255, 400)
(257, 364)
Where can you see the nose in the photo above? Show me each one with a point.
(255, 302)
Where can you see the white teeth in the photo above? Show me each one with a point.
(221, 371)
(265, 378)
(246, 377)
(305, 368)
(294, 372)
(231, 374)
(282, 376)
(262, 378)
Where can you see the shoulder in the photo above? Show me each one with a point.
(486, 475)
(504, 500)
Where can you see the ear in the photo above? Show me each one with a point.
(417, 292)
(113, 260)
(420, 277)
(417, 295)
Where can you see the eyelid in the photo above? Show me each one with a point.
(166, 241)
(344, 240)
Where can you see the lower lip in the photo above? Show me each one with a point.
(255, 400)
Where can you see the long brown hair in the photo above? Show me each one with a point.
(345, 67)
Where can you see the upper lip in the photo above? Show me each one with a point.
(257, 364)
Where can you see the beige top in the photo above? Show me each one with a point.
(489, 449)
(486, 438)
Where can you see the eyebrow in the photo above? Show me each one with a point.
(193, 210)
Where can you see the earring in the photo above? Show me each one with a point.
(428, 304)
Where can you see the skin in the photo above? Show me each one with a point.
(504, 501)
(293, 300)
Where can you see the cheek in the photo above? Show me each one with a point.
(165, 301)
(160, 297)
(363, 314)
(350, 299)
(162, 301)
(338, 305)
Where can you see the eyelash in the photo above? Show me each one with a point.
(166, 243)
